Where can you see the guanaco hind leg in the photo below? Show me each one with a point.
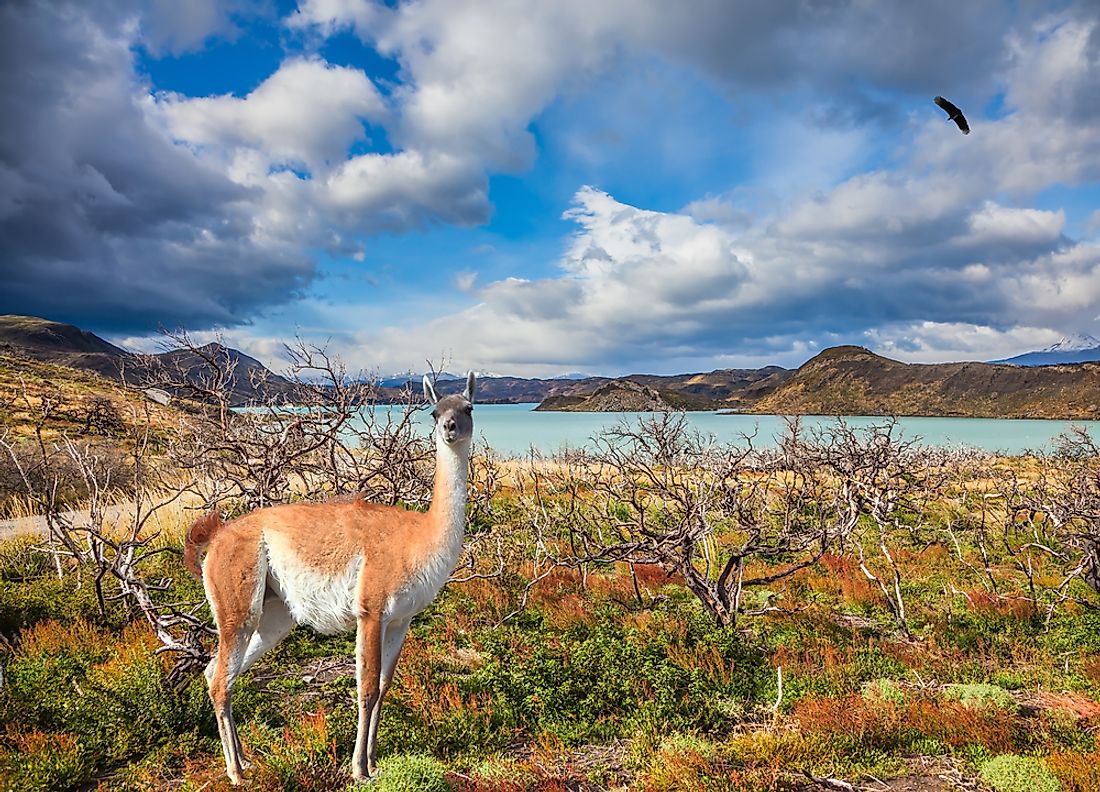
(238, 611)
(220, 674)
(274, 625)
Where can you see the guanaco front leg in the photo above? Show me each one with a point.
(392, 642)
(368, 671)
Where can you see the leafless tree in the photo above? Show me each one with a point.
(729, 520)
(43, 471)
(315, 433)
(112, 542)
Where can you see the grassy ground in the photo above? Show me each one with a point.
(590, 687)
(28, 388)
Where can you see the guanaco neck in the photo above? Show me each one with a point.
(448, 508)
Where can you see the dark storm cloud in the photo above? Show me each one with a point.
(846, 50)
(104, 221)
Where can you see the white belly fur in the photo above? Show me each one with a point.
(325, 602)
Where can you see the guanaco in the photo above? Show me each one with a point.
(333, 566)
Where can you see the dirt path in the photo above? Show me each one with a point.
(112, 515)
(9, 529)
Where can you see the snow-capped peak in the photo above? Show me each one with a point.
(1078, 342)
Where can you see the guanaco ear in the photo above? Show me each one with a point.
(471, 386)
(429, 391)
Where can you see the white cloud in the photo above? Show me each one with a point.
(645, 290)
(993, 225)
(173, 27)
(464, 280)
(1055, 70)
(934, 342)
(307, 114)
(405, 190)
(328, 17)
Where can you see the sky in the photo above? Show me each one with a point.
(535, 188)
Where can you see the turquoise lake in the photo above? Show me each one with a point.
(512, 429)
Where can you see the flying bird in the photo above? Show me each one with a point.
(953, 113)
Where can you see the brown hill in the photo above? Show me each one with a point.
(252, 381)
(60, 344)
(517, 390)
(715, 390)
(82, 403)
(850, 380)
(617, 396)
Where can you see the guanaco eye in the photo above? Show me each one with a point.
(435, 415)
(469, 409)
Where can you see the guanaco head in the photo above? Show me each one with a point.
(454, 415)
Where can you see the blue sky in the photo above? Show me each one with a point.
(535, 188)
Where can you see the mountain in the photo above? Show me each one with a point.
(1070, 349)
(409, 379)
(843, 380)
(60, 344)
(252, 381)
(851, 380)
(614, 396)
(573, 375)
(518, 390)
(721, 389)
(67, 345)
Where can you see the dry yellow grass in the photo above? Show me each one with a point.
(27, 387)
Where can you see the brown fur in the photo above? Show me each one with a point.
(396, 542)
(198, 536)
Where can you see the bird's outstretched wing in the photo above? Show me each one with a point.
(954, 113)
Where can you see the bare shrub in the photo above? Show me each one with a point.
(1050, 526)
(314, 436)
(100, 416)
(110, 537)
(888, 481)
(735, 523)
(658, 493)
(27, 467)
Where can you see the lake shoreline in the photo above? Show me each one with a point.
(512, 429)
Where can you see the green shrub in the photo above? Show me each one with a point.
(300, 757)
(28, 602)
(500, 769)
(111, 692)
(38, 762)
(884, 690)
(981, 695)
(20, 558)
(596, 683)
(1010, 773)
(412, 773)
